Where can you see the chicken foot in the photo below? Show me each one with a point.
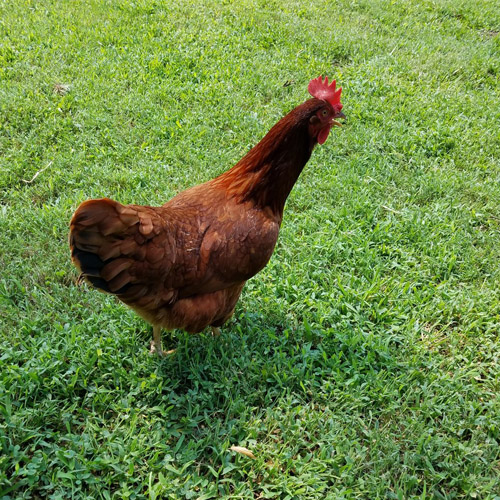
(156, 344)
(156, 347)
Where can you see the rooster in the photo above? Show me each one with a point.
(184, 264)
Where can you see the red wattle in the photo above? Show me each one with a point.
(323, 135)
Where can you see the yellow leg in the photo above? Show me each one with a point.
(156, 343)
(215, 331)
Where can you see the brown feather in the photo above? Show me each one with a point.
(119, 281)
(116, 266)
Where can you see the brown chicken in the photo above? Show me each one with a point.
(184, 264)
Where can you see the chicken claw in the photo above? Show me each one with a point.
(156, 344)
(159, 352)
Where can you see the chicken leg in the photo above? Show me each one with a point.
(156, 343)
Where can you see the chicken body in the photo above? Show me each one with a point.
(184, 264)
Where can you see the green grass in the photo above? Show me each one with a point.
(363, 362)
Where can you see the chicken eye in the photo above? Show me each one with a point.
(324, 112)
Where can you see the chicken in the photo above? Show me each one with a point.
(184, 264)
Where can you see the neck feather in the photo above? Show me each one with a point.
(268, 172)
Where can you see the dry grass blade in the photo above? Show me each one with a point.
(243, 451)
(38, 173)
(391, 209)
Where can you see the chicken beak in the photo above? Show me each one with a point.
(335, 122)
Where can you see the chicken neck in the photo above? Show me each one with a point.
(268, 172)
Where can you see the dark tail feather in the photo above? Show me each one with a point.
(95, 228)
(90, 265)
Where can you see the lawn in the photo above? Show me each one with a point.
(363, 361)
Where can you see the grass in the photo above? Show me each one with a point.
(363, 362)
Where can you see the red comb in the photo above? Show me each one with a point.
(321, 90)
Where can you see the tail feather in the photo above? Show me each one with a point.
(89, 263)
(102, 244)
(129, 251)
